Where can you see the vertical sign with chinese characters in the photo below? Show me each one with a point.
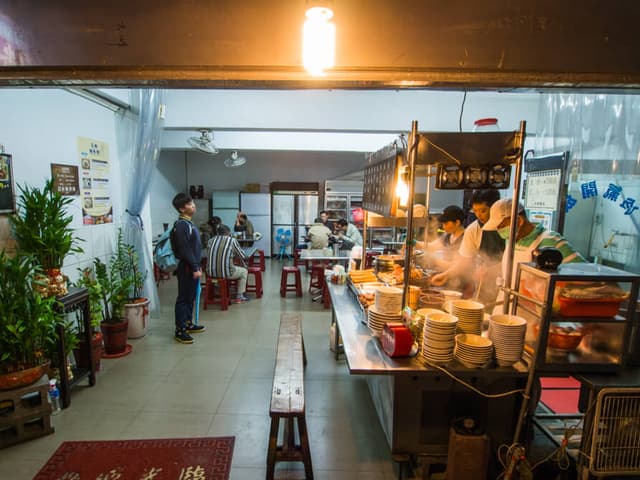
(65, 179)
(95, 187)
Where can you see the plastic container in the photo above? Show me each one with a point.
(601, 307)
(396, 339)
(54, 397)
(486, 125)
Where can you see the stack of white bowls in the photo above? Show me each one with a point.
(473, 351)
(388, 299)
(439, 337)
(449, 296)
(507, 334)
(470, 315)
(376, 320)
(422, 313)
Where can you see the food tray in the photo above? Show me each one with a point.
(599, 307)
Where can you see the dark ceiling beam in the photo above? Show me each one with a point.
(493, 44)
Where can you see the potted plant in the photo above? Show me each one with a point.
(87, 280)
(114, 289)
(136, 310)
(28, 322)
(42, 229)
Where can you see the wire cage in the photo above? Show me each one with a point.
(615, 435)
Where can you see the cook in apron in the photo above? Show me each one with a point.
(488, 269)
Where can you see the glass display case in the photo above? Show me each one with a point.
(577, 316)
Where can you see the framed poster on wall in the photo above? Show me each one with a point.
(7, 200)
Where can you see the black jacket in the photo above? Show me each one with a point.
(186, 243)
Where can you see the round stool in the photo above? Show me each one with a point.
(317, 276)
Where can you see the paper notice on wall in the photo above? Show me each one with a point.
(95, 188)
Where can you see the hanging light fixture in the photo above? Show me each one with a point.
(318, 37)
(402, 186)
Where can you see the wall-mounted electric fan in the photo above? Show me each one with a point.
(203, 143)
(234, 160)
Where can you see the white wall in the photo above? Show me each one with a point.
(39, 127)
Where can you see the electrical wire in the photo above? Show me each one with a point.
(471, 387)
(464, 99)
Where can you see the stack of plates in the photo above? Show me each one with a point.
(438, 337)
(388, 300)
(422, 313)
(473, 351)
(449, 296)
(507, 334)
(470, 315)
(377, 320)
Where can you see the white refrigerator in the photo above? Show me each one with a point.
(257, 206)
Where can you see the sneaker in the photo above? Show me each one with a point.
(191, 328)
(183, 337)
(240, 299)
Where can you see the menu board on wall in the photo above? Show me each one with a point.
(95, 188)
(65, 179)
(7, 204)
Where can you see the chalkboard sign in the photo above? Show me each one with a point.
(7, 203)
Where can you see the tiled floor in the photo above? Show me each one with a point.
(221, 385)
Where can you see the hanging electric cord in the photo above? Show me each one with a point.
(464, 99)
(471, 387)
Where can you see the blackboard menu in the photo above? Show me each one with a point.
(7, 204)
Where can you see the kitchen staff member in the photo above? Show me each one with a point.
(529, 237)
(480, 251)
(442, 252)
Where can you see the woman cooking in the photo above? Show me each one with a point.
(441, 253)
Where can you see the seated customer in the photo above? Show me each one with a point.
(318, 235)
(223, 248)
(243, 225)
(348, 234)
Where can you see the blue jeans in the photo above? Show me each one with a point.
(187, 286)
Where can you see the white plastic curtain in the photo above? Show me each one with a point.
(602, 134)
(145, 137)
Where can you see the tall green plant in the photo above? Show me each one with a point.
(114, 289)
(126, 263)
(28, 321)
(42, 225)
(88, 280)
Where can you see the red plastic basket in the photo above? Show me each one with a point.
(601, 307)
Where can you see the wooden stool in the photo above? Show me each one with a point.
(317, 276)
(290, 287)
(256, 286)
(259, 260)
(224, 292)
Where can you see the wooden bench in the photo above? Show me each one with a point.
(287, 398)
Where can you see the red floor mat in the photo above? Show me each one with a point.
(166, 458)
(560, 394)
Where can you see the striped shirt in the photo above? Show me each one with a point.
(220, 255)
(550, 239)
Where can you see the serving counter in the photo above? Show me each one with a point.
(415, 403)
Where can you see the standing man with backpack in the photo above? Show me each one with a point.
(185, 242)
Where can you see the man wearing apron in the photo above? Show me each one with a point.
(480, 252)
(529, 237)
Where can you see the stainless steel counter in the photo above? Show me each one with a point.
(364, 353)
(415, 403)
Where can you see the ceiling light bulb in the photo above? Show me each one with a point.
(318, 40)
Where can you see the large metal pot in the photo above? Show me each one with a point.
(385, 263)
